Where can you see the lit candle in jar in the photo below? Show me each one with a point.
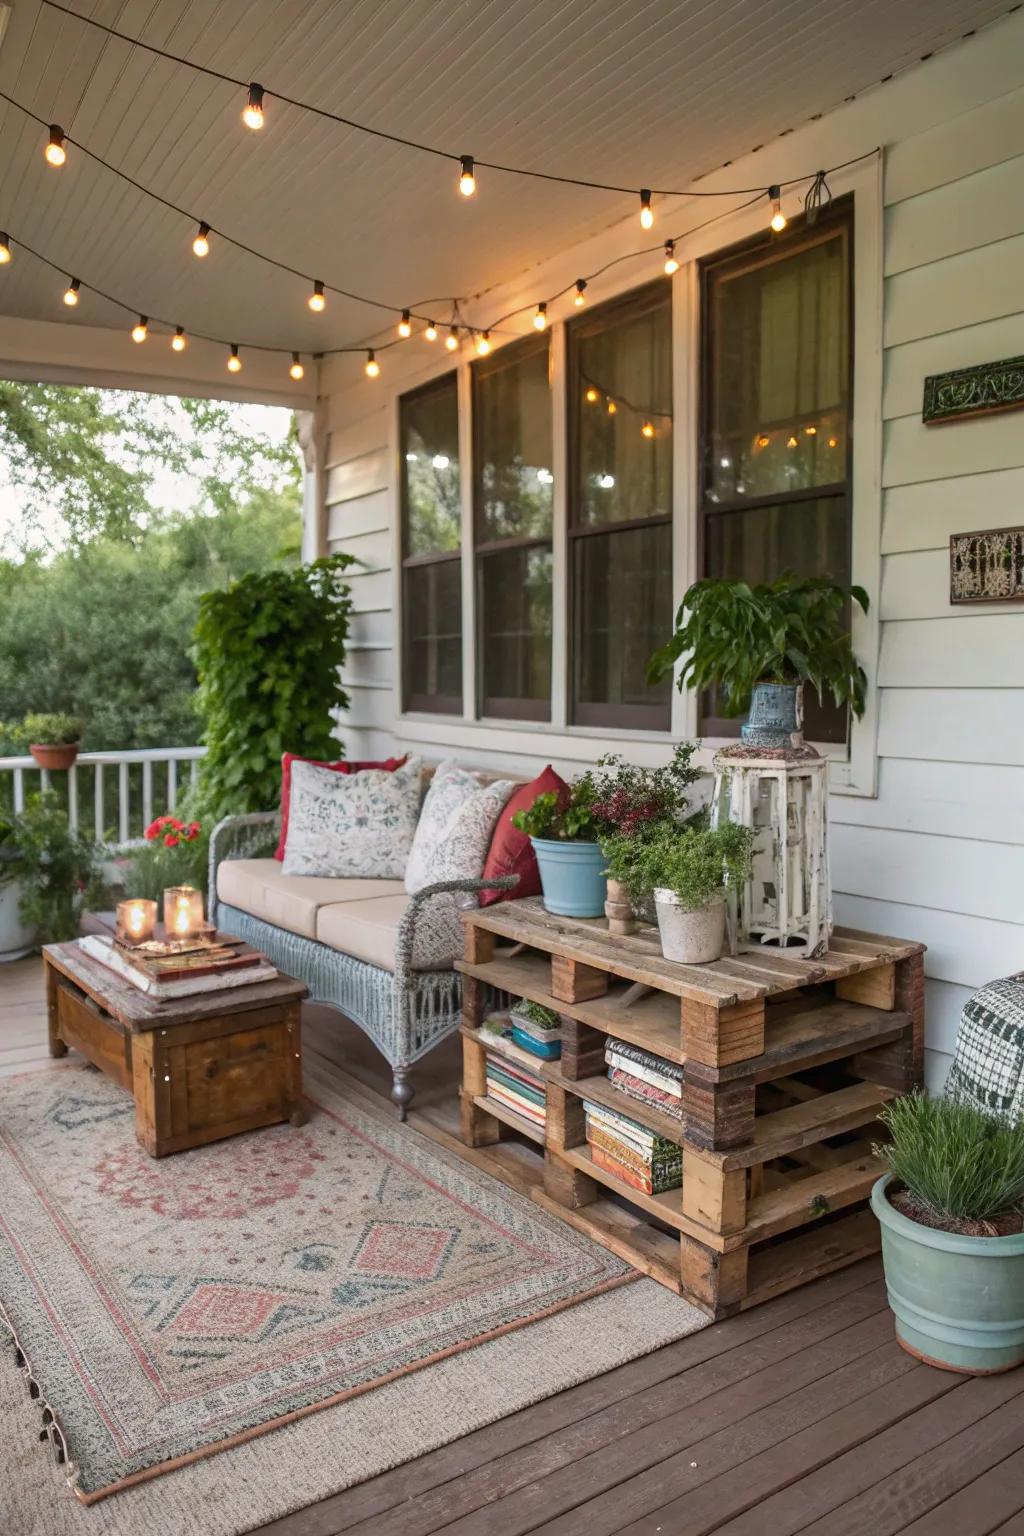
(183, 911)
(136, 920)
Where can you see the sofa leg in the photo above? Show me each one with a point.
(402, 1091)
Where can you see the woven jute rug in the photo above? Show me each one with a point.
(161, 1311)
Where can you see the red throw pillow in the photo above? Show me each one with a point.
(343, 767)
(510, 852)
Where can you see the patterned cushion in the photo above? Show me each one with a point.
(451, 789)
(988, 1068)
(352, 824)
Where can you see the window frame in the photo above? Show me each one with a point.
(424, 703)
(655, 718)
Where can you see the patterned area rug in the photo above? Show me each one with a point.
(166, 1309)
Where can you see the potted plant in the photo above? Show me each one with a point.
(951, 1210)
(564, 829)
(687, 868)
(630, 801)
(758, 645)
(58, 871)
(54, 739)
(16, 937)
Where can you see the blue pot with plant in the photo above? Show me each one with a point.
(757, 646)
(563, 829)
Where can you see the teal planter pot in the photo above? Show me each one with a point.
(571, 876)
(958, 1301)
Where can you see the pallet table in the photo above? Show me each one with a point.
(786, 1064)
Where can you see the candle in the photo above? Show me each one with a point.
(183, 911)
(136, 919)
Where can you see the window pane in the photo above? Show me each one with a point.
(430, 469)
(778, 371)
(622, 381)
(515, 626)
(512, 422)
(622, 610)
(432, 617)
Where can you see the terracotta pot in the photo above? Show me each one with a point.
(58, 755)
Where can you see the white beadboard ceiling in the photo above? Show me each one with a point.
(633, 91)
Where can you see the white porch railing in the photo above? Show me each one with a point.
(148, 782)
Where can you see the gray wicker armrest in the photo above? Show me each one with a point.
(251, 836)
(415, 913)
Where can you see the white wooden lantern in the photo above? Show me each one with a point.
(782, 794)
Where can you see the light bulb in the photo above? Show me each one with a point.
(648, 429)
(316, 300)
(141, 330)
(296, 370)
(372, 366)
(5, 248)
(540, 319)
(234, 361)
(646, 211)
(431, 331)
(451, 341)
(71, 293)
(467, 179)
(405, 324)
(833, 442)
(179, 341)
(810, 431)
(55, 152)
(606, 481)
(581, 292)
(792, 442)
(252, 113)
(612, 407)
(763, 441)
(778, 217)
(671, 264)
(592, 395)
(483, 343)
(201, 243)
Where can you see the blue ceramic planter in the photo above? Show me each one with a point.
(773, 715)
(572, 877)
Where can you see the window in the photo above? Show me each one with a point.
(512, 512)
(431, 545)
(775, 477)
(620, 508)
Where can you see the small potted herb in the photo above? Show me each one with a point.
(688, 869)
(53, 740)
(630, 801)
(564, 829)
(951, 1209)
(758, 645)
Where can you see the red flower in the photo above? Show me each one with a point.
(170, 841)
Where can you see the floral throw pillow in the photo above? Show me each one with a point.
(359, 824)
(448, 791)
(459, 855)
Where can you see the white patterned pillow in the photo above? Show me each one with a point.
(449, 790)
(358, 824)
(460, 855)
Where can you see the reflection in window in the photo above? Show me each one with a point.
(431, 543)
(620, 495)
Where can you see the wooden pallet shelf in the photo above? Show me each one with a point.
(786, 1066)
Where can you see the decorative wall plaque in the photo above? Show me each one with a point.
(987, 567)
(976, 391)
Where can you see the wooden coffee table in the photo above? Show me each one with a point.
(199, 1068)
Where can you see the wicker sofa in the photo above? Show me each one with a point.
(356, 943)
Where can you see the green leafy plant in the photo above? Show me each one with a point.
(58, 870)
(268, 652)
(567, 816)
(694, 862)
(628, 798)
(544, 1018)
(791, 630)
(53, 730)
(958, 1163)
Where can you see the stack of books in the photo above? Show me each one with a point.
(536, 1029)
(516, 1088)
(166, 971)
(636, 1155)
(645, 1077)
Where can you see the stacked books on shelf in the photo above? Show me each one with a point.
(636, 1155)
(645, 1077)
(166, 971)
(516, 1088)
(536, 1029)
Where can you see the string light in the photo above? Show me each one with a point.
(405, 324)
(763, 441)
(581, 292)
(316, 300)
(592, 395)
(646, 211)
(483, 343)
(467, 178)
(234, 361)
(810, 431)
(141, 329)
(612, 407)
(71, 293)
(648, 429)
(372, 366)
(833, 442)
(792, 442)
(252, 113)
(296, 370)
(201, 243)
(431, 331)
(671, 264)
(451, 341)
(5, 248)
(179, 341)
(55, 152)
(778, 217)
(540, 319)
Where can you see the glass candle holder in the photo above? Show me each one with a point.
(183, 911)
(136, 920)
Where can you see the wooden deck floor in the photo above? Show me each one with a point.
(800, 1416)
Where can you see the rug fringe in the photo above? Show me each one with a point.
(52, 1431)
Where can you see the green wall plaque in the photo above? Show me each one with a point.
(976, 391)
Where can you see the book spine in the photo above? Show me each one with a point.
(624, 1064)
(642, 1058)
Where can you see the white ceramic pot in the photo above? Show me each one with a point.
(690, 937)
(15, 939)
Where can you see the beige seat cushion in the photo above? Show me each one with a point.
(366, 929)
(259, 887)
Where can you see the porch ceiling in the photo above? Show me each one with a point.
(635, 92)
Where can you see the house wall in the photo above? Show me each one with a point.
(930, 842)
